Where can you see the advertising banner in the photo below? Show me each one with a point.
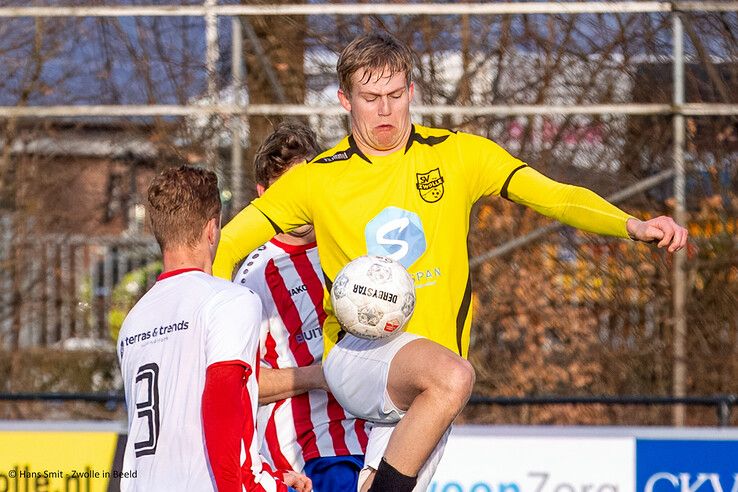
(57, 461)
(488, 463)
(86, 457)
(686, 465)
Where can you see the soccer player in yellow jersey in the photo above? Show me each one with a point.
(406, 191)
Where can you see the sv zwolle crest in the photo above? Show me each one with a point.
(430, 185)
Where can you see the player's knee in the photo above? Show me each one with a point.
(464, 376)
(458, 381)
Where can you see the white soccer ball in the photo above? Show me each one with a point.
(373, 297)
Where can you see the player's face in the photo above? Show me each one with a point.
(380, 112)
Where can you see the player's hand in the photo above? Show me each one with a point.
(662, 230)
(297, 481)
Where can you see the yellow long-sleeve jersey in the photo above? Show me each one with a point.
(414, 206)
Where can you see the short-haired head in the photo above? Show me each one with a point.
(290, 143)
(374, 55)
(182, 200)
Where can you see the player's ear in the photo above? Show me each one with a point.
(344, 100)
(260, 189)
(212, 231)
(411, 91)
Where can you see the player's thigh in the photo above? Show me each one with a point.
(357, 370)
(334, 473)
(422, 365)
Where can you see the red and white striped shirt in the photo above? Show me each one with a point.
(289, 281)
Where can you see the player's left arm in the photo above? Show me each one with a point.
(584, 209)
(491, 170)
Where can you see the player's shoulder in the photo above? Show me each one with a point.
(208, 291)
(434, 136)
(343, 151)
(223, 289)
(254, 265)
(229, 300)
(431, 135)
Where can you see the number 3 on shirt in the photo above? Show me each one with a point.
(148, 375)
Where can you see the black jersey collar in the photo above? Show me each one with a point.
(411, 138)
(354, 149)
(429, 140)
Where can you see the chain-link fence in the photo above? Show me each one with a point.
(597, 94)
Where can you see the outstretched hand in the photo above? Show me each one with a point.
(297, 481)
(661, 229)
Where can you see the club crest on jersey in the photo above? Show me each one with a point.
(430, 185)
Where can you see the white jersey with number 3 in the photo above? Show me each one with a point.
(186, 322)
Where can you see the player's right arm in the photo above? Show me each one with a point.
(223, 415)
(283, 207)
(278, 384)
(244, 233)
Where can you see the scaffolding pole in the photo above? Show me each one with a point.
(212, 55)
(679, 288)
(690, 109)
(501, 8)
(237, 124)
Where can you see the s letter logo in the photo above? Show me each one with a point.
(396, 233)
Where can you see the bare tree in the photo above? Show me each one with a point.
(569, 315)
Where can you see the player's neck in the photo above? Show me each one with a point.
(181, 258)
(295, 240)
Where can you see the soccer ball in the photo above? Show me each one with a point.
(373, 297)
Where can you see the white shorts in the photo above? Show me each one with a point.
(379, 437)
(356, 371)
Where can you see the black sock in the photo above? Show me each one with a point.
(388, 479)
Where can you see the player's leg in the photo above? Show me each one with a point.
(432, 385)
(334, 473)
(380, 380)
(357, 373)
(378, 439)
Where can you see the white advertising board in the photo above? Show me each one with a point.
(492, 463)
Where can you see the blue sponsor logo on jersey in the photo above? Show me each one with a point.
(396, 233)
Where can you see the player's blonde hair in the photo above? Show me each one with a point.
(181, 202)
(378, 54)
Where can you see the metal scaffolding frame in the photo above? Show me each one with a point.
(497, 8)
(210, 12)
